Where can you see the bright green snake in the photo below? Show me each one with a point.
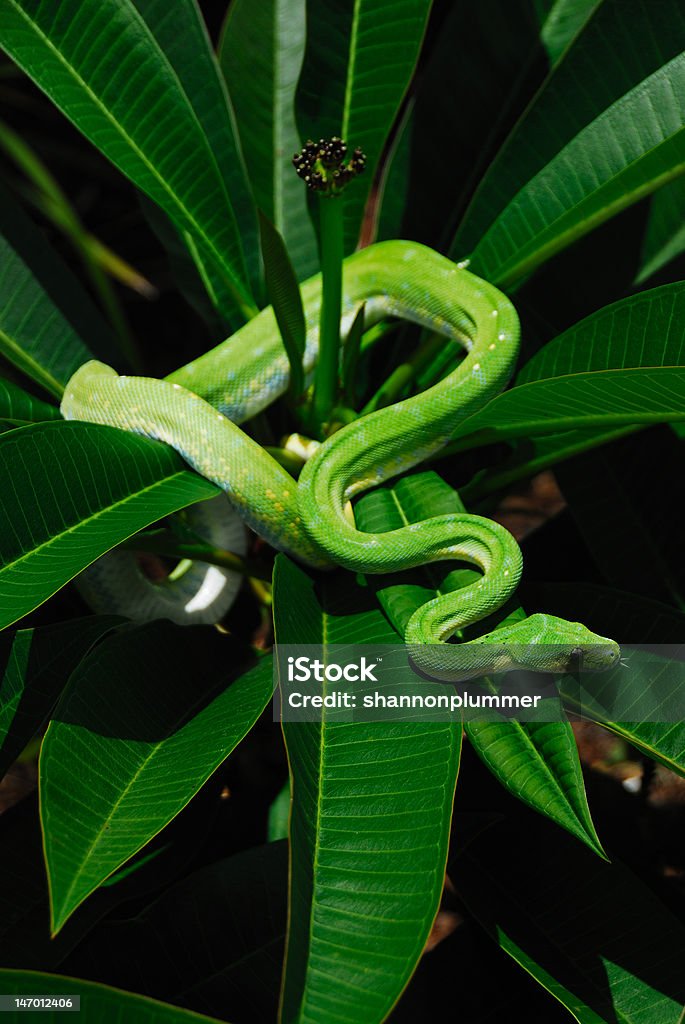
(197, 410)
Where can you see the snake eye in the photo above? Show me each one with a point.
(576, 657)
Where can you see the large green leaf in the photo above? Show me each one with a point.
(588, 145)
(101, 1003)
(665, 235)
(621, 157)
(537, 761)
(369, 826)
(147, 717)
(591, 933)
(359, 60)
(261, 54)
(36, 666)
(100, 63)
(110, 485)
(606, 399)
(212, 942)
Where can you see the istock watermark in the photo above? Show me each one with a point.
(397, 683)
(302, 669)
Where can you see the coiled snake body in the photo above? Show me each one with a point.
(197, 410)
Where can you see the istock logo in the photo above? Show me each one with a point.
(300, 670)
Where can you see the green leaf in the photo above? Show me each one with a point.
(17, 407)
(665, 236)
(34, 336)
(589, 932)
(284, 295)
(359, 61)
(369, 825)
(76, 330)
(110, 485)
(147, 717)
(37, 664)
(212, 942)
(106, 1005)
(561, 21)
(181, 33)
(102, 66)
(538, 762)
(589, 143)
(606, 399)
(623, 156)
(261, 53)
(617, 336)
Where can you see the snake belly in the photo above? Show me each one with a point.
(198, 408)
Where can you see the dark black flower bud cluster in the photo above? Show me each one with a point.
(322, 167)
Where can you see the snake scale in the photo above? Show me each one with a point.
(198, 408)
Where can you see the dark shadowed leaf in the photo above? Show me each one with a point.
(591, 933)
(284, 295)
(108, 1005)
(36, 666)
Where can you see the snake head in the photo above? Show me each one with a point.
(562, 646)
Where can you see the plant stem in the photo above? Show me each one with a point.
(391, 389)
(326, 374)
(162, 542)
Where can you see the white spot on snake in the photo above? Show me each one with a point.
(463, 264)
(476, 366)
(177, 387)
(506, 572)
(494, 313)
(492, 347)
(502, 337)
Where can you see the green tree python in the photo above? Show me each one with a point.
(198, 408)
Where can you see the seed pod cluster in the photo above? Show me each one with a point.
(322, 167)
